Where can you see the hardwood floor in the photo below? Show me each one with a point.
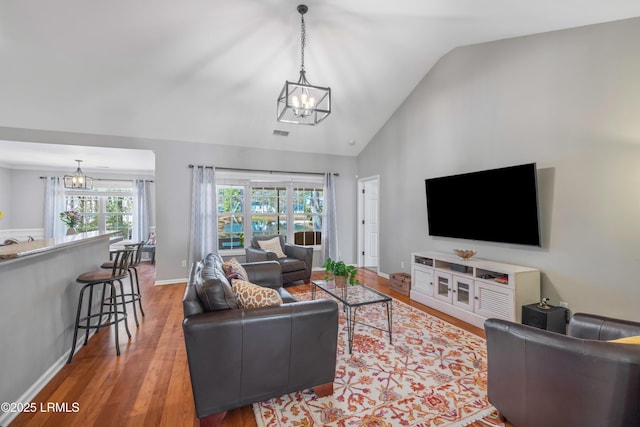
(149, 385)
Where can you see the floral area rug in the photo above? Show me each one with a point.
(434, 374)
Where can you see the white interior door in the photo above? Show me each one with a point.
(370, 223)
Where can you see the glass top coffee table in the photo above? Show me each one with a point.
(353, 297)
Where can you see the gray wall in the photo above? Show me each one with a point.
(27, 195)
(568, 100)
(173, 182)
(5, 198)
(39, 300)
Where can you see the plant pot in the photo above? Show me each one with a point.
(340, 280)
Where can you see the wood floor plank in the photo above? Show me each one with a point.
(149, 384)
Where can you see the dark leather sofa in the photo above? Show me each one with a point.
(538, 378)
(296, 266)
(240, 356)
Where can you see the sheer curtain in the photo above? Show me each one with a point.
(204, 222)
(54, 204)
(329, 225)
(140, 230)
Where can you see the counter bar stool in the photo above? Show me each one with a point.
(105, 278)
(135, 295)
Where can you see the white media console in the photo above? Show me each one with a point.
(473, 290)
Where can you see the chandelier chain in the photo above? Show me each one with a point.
(303, 41)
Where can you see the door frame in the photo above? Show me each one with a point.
(360, 219)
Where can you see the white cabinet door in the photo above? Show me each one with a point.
(423, 280)
(462, 292)
(442, 286)
(494, 301)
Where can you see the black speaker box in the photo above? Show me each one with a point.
(552, 319)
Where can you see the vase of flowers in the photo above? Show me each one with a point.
(71, 218)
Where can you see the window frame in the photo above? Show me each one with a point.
(102, 191)
(249, 181)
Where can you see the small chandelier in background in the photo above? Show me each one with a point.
(300, 102)
(78, 180)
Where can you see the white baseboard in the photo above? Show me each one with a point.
(171, 281)
(7, 417)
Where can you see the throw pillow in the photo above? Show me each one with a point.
(152, 239)
(272, 245)
(249, 295)
(628, 340)
(233, 270)
(213, 289)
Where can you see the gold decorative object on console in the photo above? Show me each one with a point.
(465, 254)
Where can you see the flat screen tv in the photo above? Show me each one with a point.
(496, 205)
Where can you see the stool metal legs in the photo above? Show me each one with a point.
(85, 322)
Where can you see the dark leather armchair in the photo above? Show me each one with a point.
(297, 264)
(540, 378)
(241, 356)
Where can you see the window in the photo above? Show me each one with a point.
(268, 211)
(108, 207)
(88, 207)
(230, 216)
(307, 220)
(292, 209)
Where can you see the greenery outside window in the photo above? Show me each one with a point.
(230, 216)
(291, 209)
(105, 208)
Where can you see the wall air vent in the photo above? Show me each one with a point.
(281, 132)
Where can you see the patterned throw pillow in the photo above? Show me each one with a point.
(249, 295)
(272, 245)
(628, 340)
(233, 270)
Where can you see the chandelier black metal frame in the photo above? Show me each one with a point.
(301, 102)
(78, 180)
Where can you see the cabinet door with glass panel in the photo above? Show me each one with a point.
(442, 286)
(462, 288)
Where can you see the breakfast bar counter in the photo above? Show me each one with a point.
(38, 298)
(21, 250)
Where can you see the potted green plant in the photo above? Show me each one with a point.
(342, 273)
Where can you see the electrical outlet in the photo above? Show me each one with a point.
(184, 262)
(401, 264)
(564, 304)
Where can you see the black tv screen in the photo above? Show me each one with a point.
(497, 205)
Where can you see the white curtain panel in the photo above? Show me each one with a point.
(140, 230)
(54, 204)
(204, 221)
(329, 225)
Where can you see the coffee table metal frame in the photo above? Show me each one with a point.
(352, 298)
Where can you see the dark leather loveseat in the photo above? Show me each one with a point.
(538, 378)
(240, 356)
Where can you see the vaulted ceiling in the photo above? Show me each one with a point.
(210, 71)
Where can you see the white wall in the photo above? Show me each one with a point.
(173, 182)
(568, 100)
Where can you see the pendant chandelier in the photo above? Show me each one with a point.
(301, 102)
(78, 180)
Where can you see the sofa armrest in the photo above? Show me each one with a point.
(530, 370)
(257, 255)
(238, 357)
(304, 253)
(594, 327)
(264, 273)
